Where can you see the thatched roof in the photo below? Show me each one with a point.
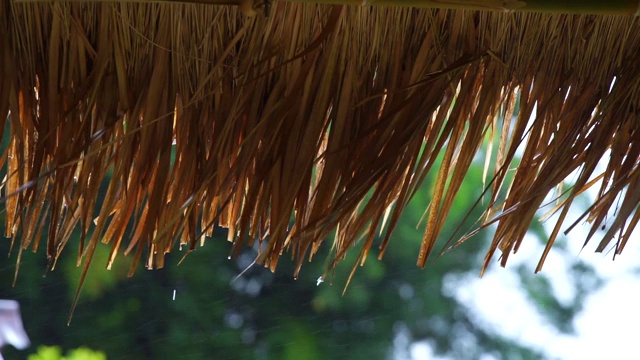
(197, 115)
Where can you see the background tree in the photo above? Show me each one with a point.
(203, 309)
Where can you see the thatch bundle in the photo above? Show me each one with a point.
(314, 119)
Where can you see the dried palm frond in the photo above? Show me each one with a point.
(183, 117)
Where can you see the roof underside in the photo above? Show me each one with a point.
(331, 116)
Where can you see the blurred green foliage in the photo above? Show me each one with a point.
(55, 353)
(198, 310)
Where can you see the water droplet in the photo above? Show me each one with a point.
(174, 294)
(319, 281)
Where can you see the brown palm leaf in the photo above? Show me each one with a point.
(188, 116)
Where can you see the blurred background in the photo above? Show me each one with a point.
(210, 307)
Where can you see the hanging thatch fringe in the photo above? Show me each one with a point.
(332, 114)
